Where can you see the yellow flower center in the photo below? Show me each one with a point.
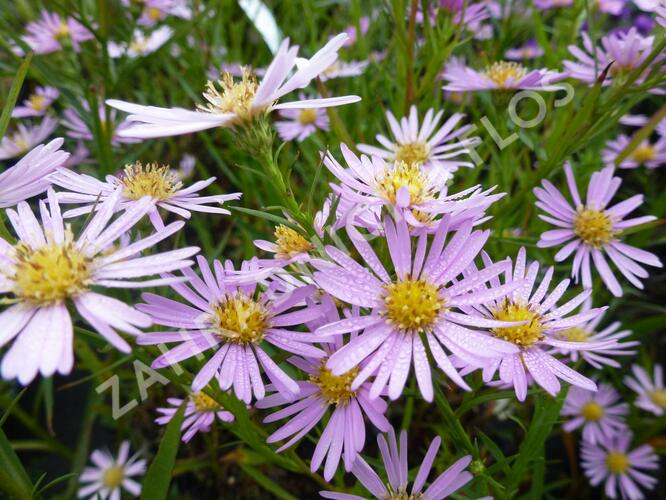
(20, 142)
(617, 462)
(524, 335)
(575, 334)
(644, 153)
(37, 102)
(113, 476)
(335, 389)
(594, 227)
(152, 180)
(240, 319)
(413, 152)
(290, 243)
(592, 411)
(408, 175)
(62, 31)
(233, 96)
(203, 402)
(307, 116)
(412, 305)
(51, 273)
(658, 397)
(401, 494)
(139, 46)
(153, 13)
(502, 72)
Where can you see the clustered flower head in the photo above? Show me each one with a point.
(393, 290)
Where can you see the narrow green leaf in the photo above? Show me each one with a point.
(14, 480)
(13, 94)
(267, 483)
(158, 478)
(8, 411)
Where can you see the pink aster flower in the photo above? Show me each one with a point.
(626, 50)
(52, 33)
(28, 177)
(233, 321)
(592, 230)
(647, 154)
(500, 75)
(108, 476)
(200, 413)
(543, 320)
(598, 413)
(469, 14)
(231, 103)
(621, 469)
(651, 392)
(141, 44)
(299, 124)
(364, 24)
(530, 50)
(37, 104)
(344, 433)
(419, 193)
(137, 182)
(609, 336)
(26, 137)
(80, 127)
(431, 145)
(48, 269)
(421, 296)
(155, 11)
(394, 459)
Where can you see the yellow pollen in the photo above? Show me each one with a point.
(20, 142)
(37, 102)
(151, 180)
(290, 243)
(51, 273)
(139, 46)
(203, 402)
(401, 494)
(617, 462)
(307, 116)
(113, 476)
(522, 335)
(575, 334)
(335, 389)
(658, 397)
(233, 96)
(407, 175)
(503, 72)
(240, 319)
(413, 152)
(62, 31)
(644, 153)
(412, 305)
(594, 227)
(154, 13)
(592, 411)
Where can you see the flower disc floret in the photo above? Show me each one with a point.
(525, 335)
(412, 305)
(592, 411)
(240, 319)
(289, 242)
(617, 462)
(335, 389)
(153, 180)
(230, 96)
(412, 152)
(594, 227)
(408, 175)
(51, 273)
(502, 72)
